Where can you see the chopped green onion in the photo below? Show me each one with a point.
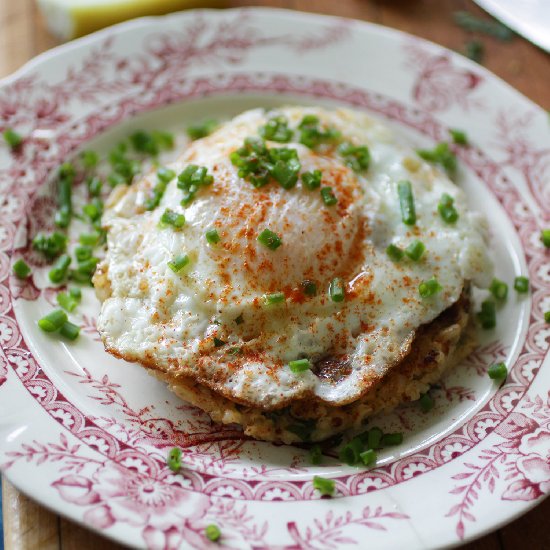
(252, 160)
(374, 438)
(87, 267)
(218, 343)
(415, 250)
(257, 164)
(429, 288)
(21, 269)
(78, 277)
(547, 316)
(406, 202)
(447, 210)
(315, 455)
(93, 210)
(169, 217)
(115, 179)
(312, 180)
(89, 159)
(66, 301)
(545, 237)
(124, 169)
(284, 166)
(212, 532)
(151, 143)
(67, 171)
(394, 253)
(368, 457)
(351, 451)
(357, 157)
(64, 195)
(276, 129)
(521, 284)
(191, 180)
(337, 290)
(328, 196)
(63, 217)
(143, 142)
(498, 371)
(51, 245)
(324, 486)
(70, 300)
(12, 138)
(60, 268)
(174, 459)
(308, 120)
(270, 239)
(69, 330)
(309, 287)
(487, 317)
(53, 321)
(299, 365)
(474, 50)
(440, 154)
(83, 253)
(164, 140)
(499, 289)
(178, 263)
(203, 129)
(459, 137)
(95, 186)
(426, 402)
(472, 23)
(312, 136)
(275, 298)
(89, 239)
(392, 439)
(76, 294)
(165, 175)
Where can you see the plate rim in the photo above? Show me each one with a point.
(47, 56)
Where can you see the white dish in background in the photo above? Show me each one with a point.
(87, 435)
(530, 18)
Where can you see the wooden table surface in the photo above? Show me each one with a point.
(22, 35)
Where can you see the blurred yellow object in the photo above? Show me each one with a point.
(68, 19)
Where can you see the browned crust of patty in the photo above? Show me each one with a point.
(437, 346)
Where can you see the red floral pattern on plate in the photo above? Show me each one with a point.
(128, 483)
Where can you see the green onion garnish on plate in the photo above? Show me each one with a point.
(429, 288)
(521, 284)
(337, 290)
(325, 486)
(212, 532)
(299, 365)
(21, 269)
(173, 459)
(178, 263)
(12, 138)
(53, 321)
(270, 239)
(406, 202)
(497, 371)
(415, 250)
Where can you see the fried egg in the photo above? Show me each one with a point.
(213, 321)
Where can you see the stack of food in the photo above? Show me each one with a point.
(294, 272)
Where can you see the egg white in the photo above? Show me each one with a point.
(169, 320)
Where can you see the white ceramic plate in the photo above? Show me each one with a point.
(87, 435)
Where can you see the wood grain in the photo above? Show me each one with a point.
(29, 526)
